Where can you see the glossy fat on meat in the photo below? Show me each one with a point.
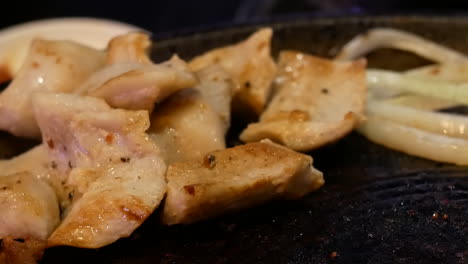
(29, 213)
(251, 66)
(131, 47)
(216, 88)
(138, 87)
(35, 160)
(194, 122)
(186, 127)
(236, 178)
(318, 101)
(114, 172)
(131, 80)
(29, 207)
(53, 66)
(38, 162)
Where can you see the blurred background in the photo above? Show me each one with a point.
(163, 16)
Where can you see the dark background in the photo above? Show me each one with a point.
(165, 16)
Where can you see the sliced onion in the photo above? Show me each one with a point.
(453, 72)
(414, 141)
(440, 123)
(392, 38)
(380, 79)
(421, 102)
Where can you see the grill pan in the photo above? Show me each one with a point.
(377, 206)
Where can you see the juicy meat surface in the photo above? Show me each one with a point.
(137, 86)
(251, 66)
(131, 81)
(318, 101)
(29, 213)
(185, 127)
(35, 160)
(130, 47)
(236, 178)
(53, 66)
(113, 172)
(194, 122)
(29, 207)
(216, 88)
(38, 162)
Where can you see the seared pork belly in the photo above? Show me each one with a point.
(131, 80)
(185, 127)
(114, 173)
(131, 47)
(53, 66)
(216, 88)
(139, 86)
(35, 160)
(38, 162)
(194, 121)
(29, 213)
(251, 66)
(236, 178)
(318, 101)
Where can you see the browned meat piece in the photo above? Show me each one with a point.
(318, 101)
(52, 66)
(138, 86)
(251, 66)
(130, 80)
(34, 160)
(236, 178)
(131, 47)
(113, 172)
(29, 213)
(194, 121)
(216, 88)
(185, 127)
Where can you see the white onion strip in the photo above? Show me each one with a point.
(440, 123)
(391, 38)
(453, 72)
(421, 102)
(380, 79)
(415, 142)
